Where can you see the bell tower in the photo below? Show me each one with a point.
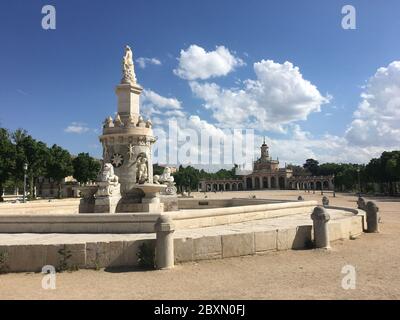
(264, 150)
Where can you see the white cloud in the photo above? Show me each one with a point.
(377, 118)
(77, 127)
(278, 96)
(143, 62)
(196, 63)
(151, 103)
(295, 147)
(153, 98)
(301, 145)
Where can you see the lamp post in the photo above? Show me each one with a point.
(333, 182)
(359, 181)
(25, 170)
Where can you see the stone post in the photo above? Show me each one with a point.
(320, 218)
(325, 201)
(361, 203)
(372, 217)
(300, 198)
(164, 228)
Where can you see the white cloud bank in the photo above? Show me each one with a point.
(153, 103)
(276, 100)
(377, 118)
(77, 128)
(279, 95)
(196, 63)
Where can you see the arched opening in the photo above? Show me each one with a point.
(249, 184)
(221, 187)
(265, 183)
(273, 182)
(318, 185)
(208, 187)
(227, 186)
(326, 185)
(215, 187)
(240, 186)
(312, 186)
(234, 187)
(281, 183)
(257, 182)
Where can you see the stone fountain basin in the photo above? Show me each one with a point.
(144, 222)
(151, 188)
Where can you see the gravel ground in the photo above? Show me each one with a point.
(304, 274)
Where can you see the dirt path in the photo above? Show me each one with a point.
(307, 274)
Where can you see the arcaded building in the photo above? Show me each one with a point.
(266, 174)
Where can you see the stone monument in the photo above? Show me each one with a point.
(127, 141)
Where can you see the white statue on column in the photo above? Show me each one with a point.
(108, 182)
(128, 70)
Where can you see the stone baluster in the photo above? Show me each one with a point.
(164, 228)
(372, 217)
(361, 203)
(320, 218)
(325, 201)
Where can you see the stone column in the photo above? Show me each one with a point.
(269, 182)
(320, 218)
(361, 203)
(372, 217)
(325, 201)
(164, 228)
(253, 182)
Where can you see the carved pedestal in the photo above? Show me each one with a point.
(107, 197)
(86, 204)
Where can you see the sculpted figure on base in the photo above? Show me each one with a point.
(107, 182)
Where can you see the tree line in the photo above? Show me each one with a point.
(18, 148)
(379, 175)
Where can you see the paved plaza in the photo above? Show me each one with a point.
(293, 274)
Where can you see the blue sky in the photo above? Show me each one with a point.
(52, 79)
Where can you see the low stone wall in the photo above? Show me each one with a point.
(187, 219)
(78, 223)
(41, 206)
(259, 242)
(32, 258)
(104, 254)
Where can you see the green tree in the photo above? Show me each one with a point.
(7, 157)
(311, 165)
(59, 165)
(297, 170)
(187, 178)
(86, 168)
(34, 153)
(157, 169)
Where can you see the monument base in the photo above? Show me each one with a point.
(170, 202)
(106, 204)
